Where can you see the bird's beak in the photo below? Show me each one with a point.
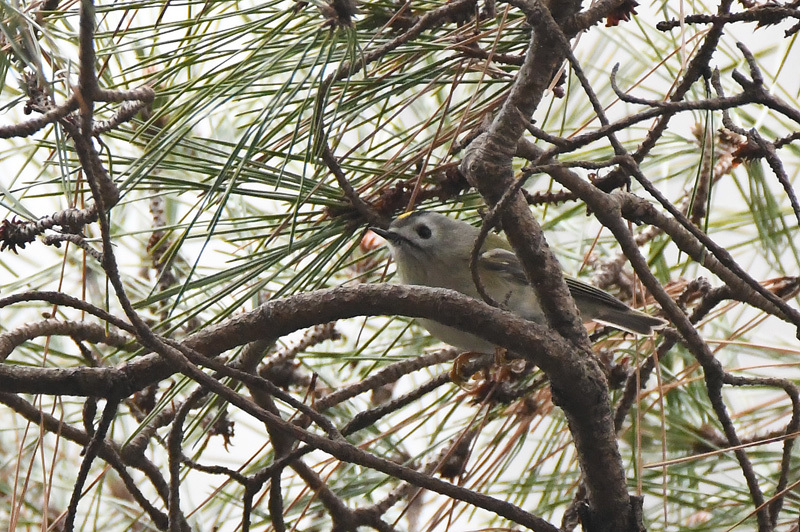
(385, 233)
(393, 238)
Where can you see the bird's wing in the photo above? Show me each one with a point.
(503, 262)
(508, 265)
(579, 289)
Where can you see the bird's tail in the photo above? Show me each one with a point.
(630, 320)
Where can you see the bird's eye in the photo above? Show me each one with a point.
(423, 231)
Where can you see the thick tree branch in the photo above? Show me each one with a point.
(488, 166)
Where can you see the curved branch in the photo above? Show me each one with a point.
(283, 316)
(82, 331)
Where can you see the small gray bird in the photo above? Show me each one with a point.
(431, 249)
